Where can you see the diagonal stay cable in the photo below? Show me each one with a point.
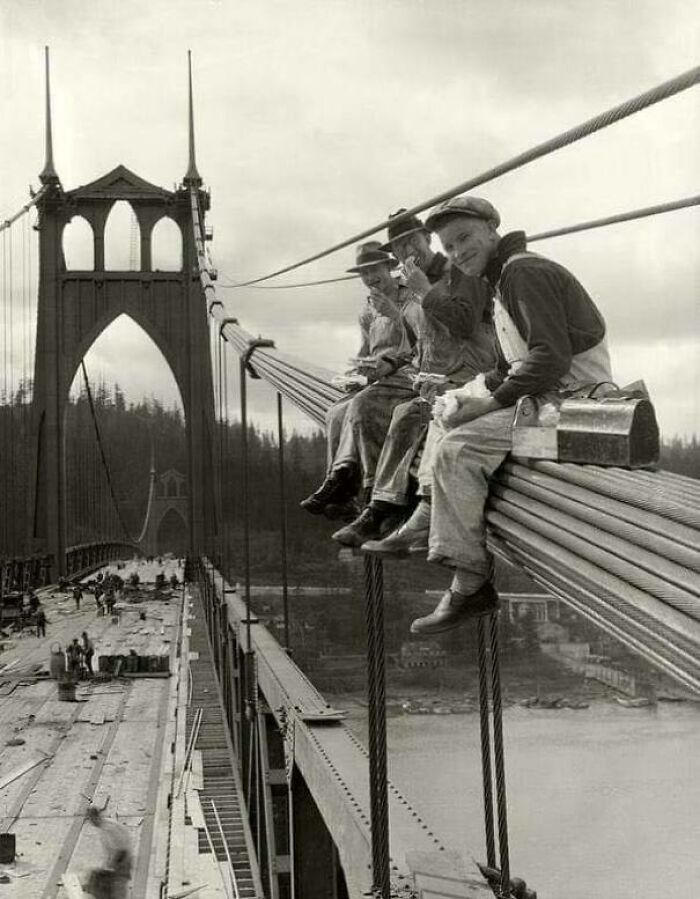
(629, 107)
(100, 445)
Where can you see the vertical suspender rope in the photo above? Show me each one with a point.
(246, 523)
(499, 759)
(376, 713)
(4, 407)
(283, 520)
(220, 474)
(224, 466)
(485, 744)
(10, 398)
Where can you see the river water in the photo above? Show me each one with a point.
(603, 803)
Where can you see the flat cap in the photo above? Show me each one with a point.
(475, 207)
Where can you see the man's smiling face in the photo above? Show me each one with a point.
(469, 242)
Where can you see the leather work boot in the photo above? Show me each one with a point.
(340, 485)
(344, 512)
(455, 608)
(372, 524)
(402, 543)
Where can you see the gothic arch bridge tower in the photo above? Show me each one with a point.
(75, 307)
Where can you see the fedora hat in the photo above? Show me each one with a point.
(408, 225)
(371, 253)
(474, 207)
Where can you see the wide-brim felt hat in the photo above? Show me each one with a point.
(475, 207)
(369, 254)
(408, 225)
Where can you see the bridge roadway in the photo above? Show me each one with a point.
(113, 744)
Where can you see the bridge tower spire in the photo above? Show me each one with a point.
(192, 178)
(48, 174)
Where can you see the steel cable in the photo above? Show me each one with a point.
(103, 456)
(590, 225)
(681, 541)
(8, 222)
(586, 541)
(629, 107)
(514, 544)
(485, 735)
(678, 635)
(499, 757)
(645, 569)
(599, 481)
(633, 215)
(376, 714)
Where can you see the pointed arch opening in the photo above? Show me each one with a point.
(122, 239)
(79, 245)
(172, 535)
(139, 413)
(166, 246)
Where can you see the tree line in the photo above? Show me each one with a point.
(129, 431)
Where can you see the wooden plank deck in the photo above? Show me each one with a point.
(109, 745)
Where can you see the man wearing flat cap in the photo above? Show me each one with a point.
(455, 342)
(357, 424)
(550, 335)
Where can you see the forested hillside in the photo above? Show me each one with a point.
(129, 430)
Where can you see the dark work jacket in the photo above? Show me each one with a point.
(553, 313)
(456, 335)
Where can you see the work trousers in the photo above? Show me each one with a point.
(366, 420)
(463, 462)
(407, 430)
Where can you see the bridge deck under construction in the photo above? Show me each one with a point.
(117, 745)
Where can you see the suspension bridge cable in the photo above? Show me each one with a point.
(632, 215)
(8, 222)
(103, 456)
(620, 217)
(597, 123)
(233, 285)
(151, 489)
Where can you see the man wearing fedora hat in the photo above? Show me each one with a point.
(455, 342)
(356, 425)
(550, 334)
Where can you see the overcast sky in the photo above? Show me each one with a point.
(315, 120)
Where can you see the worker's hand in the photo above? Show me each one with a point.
(383, 369)
(383, 304)
(469, 409)
(416, 279)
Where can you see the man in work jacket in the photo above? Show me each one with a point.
(455, 342)
(357, 424)
(550, 335)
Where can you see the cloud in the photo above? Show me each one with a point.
(316, 119)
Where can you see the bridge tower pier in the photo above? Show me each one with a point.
(75, 307)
